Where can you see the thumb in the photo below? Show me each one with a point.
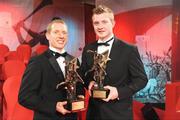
(64, 102)
(107, 87)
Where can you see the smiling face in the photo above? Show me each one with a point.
(57, 34)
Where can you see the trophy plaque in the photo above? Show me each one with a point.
(98, 69)
(71, 78)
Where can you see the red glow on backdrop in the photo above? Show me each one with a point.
(10, 16)
(15, 13)
(11, 13)
(137, 22)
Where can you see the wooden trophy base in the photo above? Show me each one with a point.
(100, 93)
(75, 105)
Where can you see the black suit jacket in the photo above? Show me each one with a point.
(125, 71)
(38, 88)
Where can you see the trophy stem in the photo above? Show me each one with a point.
(71, 92)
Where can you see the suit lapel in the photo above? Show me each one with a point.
(114, 48)
(55, 65)
(113, 55)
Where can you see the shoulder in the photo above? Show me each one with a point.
(37, 60)
(42, 56)
(123, 44)
(69, 56)
(90, 46)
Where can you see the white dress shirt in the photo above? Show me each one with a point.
(104, 48)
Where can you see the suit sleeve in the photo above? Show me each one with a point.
(137, 76)
(80, 86)
(84, 68)
(29, 93)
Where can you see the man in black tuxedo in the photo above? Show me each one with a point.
(125, 71)
(38, 88)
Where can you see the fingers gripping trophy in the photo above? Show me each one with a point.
(71, 78)
(98, 69)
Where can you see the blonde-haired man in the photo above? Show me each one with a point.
(125, 71)
(38, 88)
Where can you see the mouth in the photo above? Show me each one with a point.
(60, 41)
(101, 32)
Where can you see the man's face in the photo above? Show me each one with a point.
(57, 36)
(103, 26)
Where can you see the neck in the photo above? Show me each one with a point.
(57, 50)
(107, 38)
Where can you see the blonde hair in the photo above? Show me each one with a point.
(49, 27)
(100, 9)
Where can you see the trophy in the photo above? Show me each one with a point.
(98, 68)
(71, 78)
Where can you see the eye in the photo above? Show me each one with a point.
(104, 21)
(95, 23)
(64, 32)
(56, 32)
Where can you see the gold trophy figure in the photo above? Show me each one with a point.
(98, 68)
(71, 78)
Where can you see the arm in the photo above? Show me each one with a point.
(36, 37)
(30, 32)
(84, 68)
(137, 76)
(79, 85)
(19, 35)
(33, 42)
(30, 95)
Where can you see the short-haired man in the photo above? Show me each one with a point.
(125, 71)
(38, 88)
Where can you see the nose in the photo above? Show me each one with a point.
(100, 26)
(61, 35)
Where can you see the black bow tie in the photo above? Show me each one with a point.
(62, 54)
(56, 54)
(101, 44)
(105, 43)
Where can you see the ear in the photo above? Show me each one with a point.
(47, 36)
(113, 23)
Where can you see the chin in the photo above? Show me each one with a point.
(101, 36)
(61, 45)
